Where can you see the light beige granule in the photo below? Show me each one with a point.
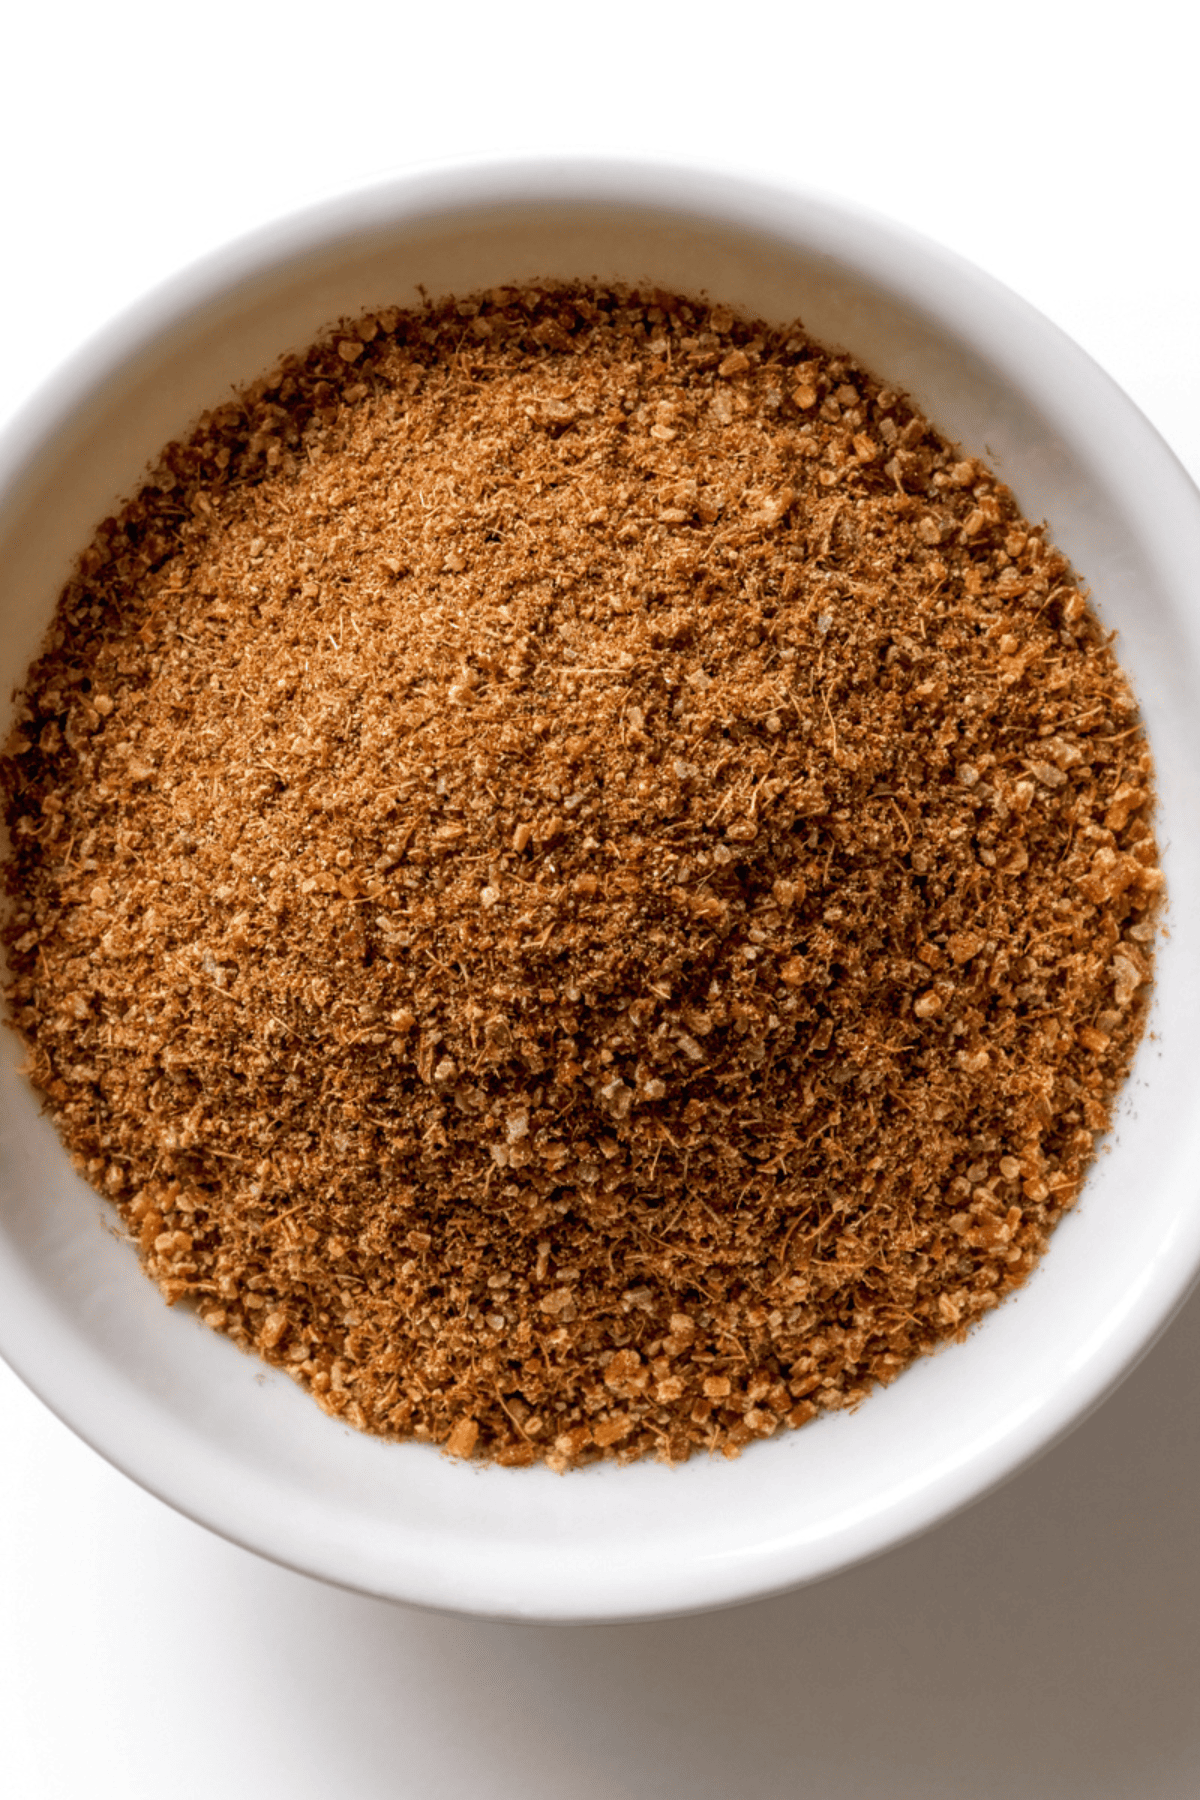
(581, 880)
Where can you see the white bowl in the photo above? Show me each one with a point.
(241, 1449)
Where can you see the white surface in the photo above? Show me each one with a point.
(1046, 1641)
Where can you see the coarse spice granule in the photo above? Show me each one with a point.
(581, 880)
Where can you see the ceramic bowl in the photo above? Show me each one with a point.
(241, 1449)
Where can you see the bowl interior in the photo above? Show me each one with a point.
(236, 1445)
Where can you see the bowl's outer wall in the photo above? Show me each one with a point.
(242, 1450)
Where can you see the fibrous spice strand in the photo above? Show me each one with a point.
(581, 880)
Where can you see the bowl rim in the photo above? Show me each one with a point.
(946, 289)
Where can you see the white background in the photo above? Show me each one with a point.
(1044, 1645)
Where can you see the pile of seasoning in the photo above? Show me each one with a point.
(581, 880)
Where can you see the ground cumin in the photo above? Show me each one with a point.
(581, 880)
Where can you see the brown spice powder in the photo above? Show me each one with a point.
(582, 881)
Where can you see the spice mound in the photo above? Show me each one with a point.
(581, 879)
